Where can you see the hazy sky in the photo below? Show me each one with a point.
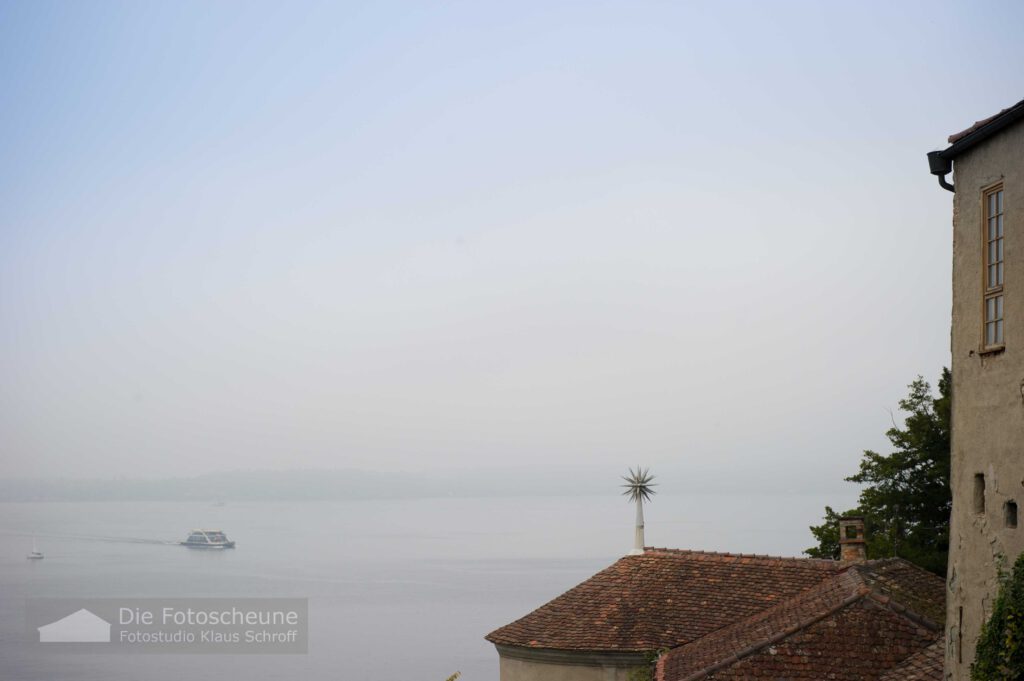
(432, 235)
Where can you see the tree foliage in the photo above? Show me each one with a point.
(1000, 652)
(648, 671)
(906, 498)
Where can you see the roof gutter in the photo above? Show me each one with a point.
(940, 163)
(940, 167)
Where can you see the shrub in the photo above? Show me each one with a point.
(1000, 653)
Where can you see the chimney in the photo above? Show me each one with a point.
(852, 546)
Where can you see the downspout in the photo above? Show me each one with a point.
(940, 167)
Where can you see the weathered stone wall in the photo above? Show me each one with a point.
(988, 396)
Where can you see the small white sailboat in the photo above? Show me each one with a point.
(35, 555)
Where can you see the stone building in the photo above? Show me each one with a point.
(987, 473)
(727, 616)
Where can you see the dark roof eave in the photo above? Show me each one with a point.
(981, 132)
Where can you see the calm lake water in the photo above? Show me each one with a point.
(398, 590)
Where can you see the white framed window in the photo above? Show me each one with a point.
(992, 204)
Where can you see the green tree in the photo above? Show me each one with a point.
(648, 671)
(906, 499)
(1000, 652)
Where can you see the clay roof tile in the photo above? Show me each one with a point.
(662, 598)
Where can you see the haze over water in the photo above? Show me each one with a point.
(430, 238)
(397, 590)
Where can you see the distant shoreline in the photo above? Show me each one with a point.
(354, 485)
(320, 485)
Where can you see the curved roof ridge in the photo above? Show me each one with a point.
(735, 642)
(769, 626)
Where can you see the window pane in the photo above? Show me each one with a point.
(994, 255)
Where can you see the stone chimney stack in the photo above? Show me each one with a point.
(852, 546)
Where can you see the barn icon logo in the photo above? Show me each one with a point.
(81, 626)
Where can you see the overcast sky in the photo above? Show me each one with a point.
(437, 235)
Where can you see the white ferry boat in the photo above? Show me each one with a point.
(208, 539)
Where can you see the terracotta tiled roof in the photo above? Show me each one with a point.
(910, 586)
(956, 137)
(745, 637)
(924, 666)
(661, 599)
(849, 627)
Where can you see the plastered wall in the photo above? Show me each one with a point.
(514, 669)
(988, 396)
